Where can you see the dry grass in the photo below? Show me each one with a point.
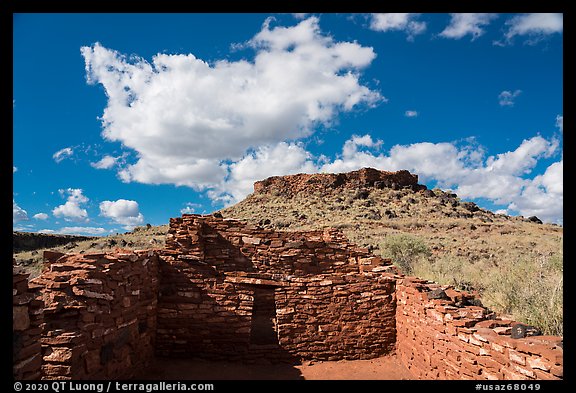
(515, 265)
(140, 238)
(507, 260)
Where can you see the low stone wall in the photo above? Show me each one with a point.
(334, 317)
(100, 315)
(27, 318)
(200, 314)
(446, 339)
(231, 245)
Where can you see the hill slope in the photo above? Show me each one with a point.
(514, 263)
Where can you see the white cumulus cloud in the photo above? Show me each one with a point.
(90, 231)
(14, 169)
(63, 154)
(406, 22)
(40, 216)
(122, 211)
(468, 23)
(506, 98)
(188, 119)
(536, 26)
(72, 210)
(106, 162)
(272, 160)
(502, 178)
(543, 196)
(18, 214)
(411, 114)
(560, 122)
(190, 208)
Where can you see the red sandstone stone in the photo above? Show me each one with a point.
(20, 318)
(516, 357)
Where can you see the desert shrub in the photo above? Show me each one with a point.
(531, 290)
(528, 289)
(404, 250)
(448, 270)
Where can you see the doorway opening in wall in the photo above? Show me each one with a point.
(264, 330)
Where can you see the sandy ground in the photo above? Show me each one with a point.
(384, 368)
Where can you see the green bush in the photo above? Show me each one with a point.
(404, 250)
(449, 270)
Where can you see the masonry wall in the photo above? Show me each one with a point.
(27, 318)
(200, 314)
(231, 245)
(334, 317)
(99, 315)
(223, 290)
(212, 268)
(446, 339)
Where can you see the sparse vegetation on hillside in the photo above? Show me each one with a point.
(139, 238)
(515, 265)
(405, 250)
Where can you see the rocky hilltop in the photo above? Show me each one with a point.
(291, 185)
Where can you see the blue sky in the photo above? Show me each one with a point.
(127, 119)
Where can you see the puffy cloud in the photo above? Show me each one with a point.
(501, 178)
(535, 24)
(560, 122)
(18, 214)
(106, 162)
(90, 231)
(411, 114)
(397, 21)
(14, 169)
(71, 210)
(190, 208)
(40, 216)
(272, 160)
(63, 154)
(506, 98)
(188, 119)
(122, 211)
(464, 24)
(543, 196)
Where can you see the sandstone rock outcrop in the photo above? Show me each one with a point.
(291, 185)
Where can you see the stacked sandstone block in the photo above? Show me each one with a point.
(231, 245)
(100, 314)
(337, 316)
(211, 268)
(446, 339)
(199, 314)
(27, 314)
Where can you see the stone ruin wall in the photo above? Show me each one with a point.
(99, 315)
(215, 270)
(446, 339)
(106, 315)
(27, 319)
(337, 316)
